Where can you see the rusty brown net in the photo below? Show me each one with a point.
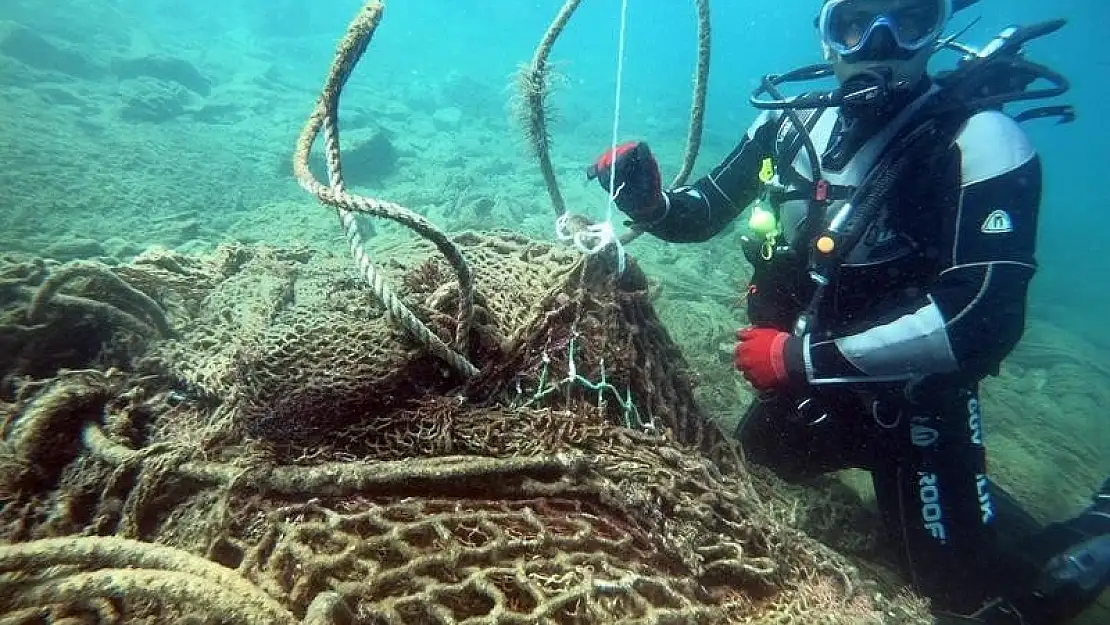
(286, 455)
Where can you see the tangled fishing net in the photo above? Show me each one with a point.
(506, 435)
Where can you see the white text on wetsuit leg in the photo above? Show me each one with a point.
(975, 421)
(986, 506)
(931, 513)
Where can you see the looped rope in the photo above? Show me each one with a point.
(325, 117)
(591, 239)
(535, 89)
(701, 88)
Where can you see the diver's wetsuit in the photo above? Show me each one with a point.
(926, 305)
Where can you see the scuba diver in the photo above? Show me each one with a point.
(893, 226)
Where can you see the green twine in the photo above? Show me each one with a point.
(630, 413)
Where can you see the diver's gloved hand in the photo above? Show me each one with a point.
(636, 183)
(768, 358)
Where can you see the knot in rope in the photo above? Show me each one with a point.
(595, 238)
(592, 239)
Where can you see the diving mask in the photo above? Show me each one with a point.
(851, 28)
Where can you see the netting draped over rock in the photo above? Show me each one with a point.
(520, 496)
(306, 352)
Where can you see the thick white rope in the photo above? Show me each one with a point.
(597, 237)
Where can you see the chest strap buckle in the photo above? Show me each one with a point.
(821, 190)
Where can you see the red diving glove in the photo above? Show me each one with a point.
(769, 358)
(637, 181)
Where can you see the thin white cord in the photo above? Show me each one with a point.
(617, 108)
(597, 237)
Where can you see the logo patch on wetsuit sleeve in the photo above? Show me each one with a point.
(998, 222)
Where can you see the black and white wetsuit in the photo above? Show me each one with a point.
(928, 303)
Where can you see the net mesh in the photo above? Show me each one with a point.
(288, 456)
